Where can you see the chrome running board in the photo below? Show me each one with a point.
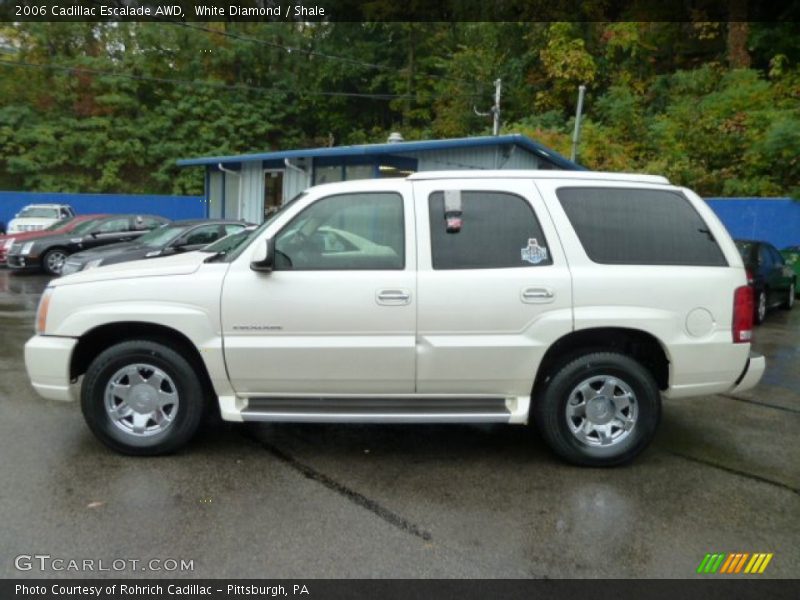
(377, 410)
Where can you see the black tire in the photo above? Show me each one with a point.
(550, 409)
(49, 257)
(758, 315)
(788, 303)
(189, 410)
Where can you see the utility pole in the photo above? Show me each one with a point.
(577, 132)
(495, 110)
(498, 86)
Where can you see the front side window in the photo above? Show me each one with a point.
(345, 232)
(498, 230)
(624, 226)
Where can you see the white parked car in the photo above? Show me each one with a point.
(36, 217)
(575, 300)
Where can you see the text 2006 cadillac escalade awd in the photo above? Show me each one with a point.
(575, 301)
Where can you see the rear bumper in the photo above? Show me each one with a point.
(47, 361)
(752, 373)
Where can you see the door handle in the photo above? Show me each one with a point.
(537, 295)
(393, 297)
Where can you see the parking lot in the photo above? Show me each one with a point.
(403, 501)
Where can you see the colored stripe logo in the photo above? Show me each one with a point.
(735, 563)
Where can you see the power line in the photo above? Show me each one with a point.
(211, 84)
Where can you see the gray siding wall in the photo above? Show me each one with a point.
(252, 193)
(475, 158)
(231, 195)
(215, 194)
(295, 182)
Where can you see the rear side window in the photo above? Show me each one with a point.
(623, 226)
(499, 230)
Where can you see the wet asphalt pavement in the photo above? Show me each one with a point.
(302, 501)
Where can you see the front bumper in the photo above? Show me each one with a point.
(20, 262)
(47, 361)
(752, 373)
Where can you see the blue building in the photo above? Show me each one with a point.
(249, 186)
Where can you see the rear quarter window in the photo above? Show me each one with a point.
(624, 226)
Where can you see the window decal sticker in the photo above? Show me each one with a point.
(533, 252)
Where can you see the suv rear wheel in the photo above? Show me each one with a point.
(599, 410)
(142, 398)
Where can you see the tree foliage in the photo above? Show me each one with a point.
(109, 107)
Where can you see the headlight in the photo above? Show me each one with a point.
(26, 249)
(92, 264)
(41, 312)
(8, 243)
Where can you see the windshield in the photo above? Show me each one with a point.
(231, 246)
(59, 224)
(158, 238)
(39, 212)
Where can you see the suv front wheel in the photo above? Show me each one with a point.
(599, 410)
(142, 398)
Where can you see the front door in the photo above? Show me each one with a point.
(337, 315)
(494, 290)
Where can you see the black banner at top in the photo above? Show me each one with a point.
(400, 10)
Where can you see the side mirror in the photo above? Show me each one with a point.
(264, 257)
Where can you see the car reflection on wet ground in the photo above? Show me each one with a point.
(723, 475)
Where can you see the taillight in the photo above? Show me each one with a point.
(743, 315)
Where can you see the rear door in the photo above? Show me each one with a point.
(492, 295)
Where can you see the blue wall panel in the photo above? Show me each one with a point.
(171, 207)
(775, 220)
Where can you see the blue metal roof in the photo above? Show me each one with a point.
(394, 148)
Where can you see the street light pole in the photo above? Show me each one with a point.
(577, 132)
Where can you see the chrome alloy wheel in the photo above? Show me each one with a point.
(55, 261)
(762, 306)
(141, 400)
(601, 411)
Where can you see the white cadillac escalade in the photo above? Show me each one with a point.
(573, 300)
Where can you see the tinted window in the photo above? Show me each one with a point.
(344, 232)
(229, 229)
(776, 256)
(147, 222)
(639, 227)
(764, 257)
(203, 235)
(113, 226)
(498, 230)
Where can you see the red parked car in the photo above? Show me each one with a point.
(62, 226)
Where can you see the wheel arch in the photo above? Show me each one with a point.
(640, 345)
(102, 337)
